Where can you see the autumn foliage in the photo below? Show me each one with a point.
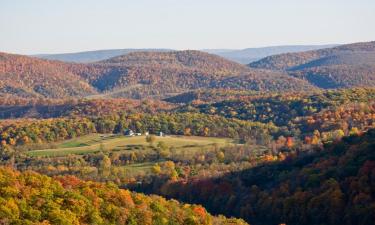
(31, 198)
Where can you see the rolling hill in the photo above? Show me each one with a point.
(31, 77)
(137, 75)
(163, 74)
(242, 56)
(159, 74)
(145, 74)
(339, 67)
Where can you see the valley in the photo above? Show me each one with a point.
(286, 139)
(187, 112)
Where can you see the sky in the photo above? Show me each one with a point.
(58, 26)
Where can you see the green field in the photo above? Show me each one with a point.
(97, 142)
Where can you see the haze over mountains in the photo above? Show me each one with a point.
(94, 56)
(248, 55)
(242, 56)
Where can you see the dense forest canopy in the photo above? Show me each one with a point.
(31, 198)
(333, 186)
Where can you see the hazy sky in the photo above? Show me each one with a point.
(52, 26)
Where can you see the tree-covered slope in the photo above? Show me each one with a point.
(280, 109)
(12, 107)
(332, 186)
(356, 53)
(343, 66)
(143, 74)
(31, 198)
(136, 75)
(30, 77)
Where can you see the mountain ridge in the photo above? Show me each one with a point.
(249, 55)
(93, 55)
(165, 74)
(136, 75)
(243, 56)
(339, 67)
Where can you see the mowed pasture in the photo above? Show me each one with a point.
(97, 142)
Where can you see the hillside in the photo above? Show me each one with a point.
(331, 113)
(143, 74)
(160, 74)
(282, 109)
(332, 186)
(333, 97)
(264, 81)
(210, 96)
(12, 107)
(189, 59)
(30, 77)
(136, 75)
(339, 67)
(31, 198)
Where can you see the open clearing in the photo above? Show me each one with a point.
(99, 142)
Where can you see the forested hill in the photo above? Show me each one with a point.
(164, 74)
(243, 56)
(161, 74)
(180, 59)
(357, 53)
(343, 66)
(136, 75)
(31, 198)
(25, 76)
(276, 108)
(333, 186)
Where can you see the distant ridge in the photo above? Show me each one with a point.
(161, 74)
(94, 56)
(248, 55)
(136, 75)
(243, 56)
(350, 65)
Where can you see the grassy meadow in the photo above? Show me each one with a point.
(100, 142)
